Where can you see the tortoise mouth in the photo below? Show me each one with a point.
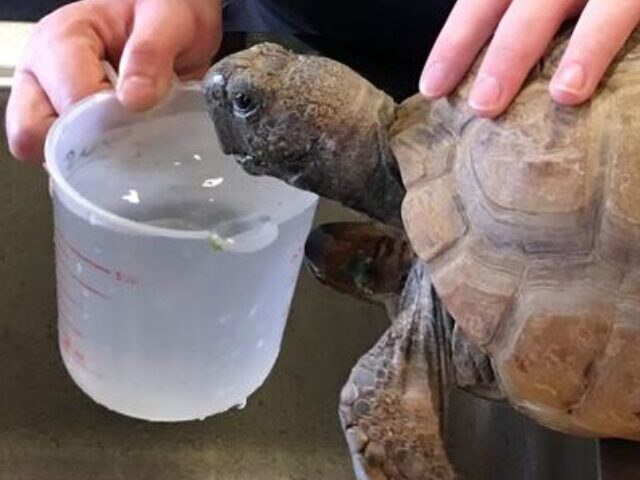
(220, 110)
(252, 164)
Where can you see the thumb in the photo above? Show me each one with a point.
(162, 30)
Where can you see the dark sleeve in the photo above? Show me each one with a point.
(28, 10)
(385, 40)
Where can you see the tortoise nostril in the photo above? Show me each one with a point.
(215, 86)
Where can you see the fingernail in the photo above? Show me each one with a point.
(433, 81)
(570, 78)
(485, 93)
(138, 90)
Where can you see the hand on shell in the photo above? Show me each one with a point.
(520, 31)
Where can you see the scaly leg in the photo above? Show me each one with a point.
(391, 408)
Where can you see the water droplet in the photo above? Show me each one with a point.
(260, 344)
(217, 78)
(211, 200)
(197, 157)
(132, 197)
(212, 182)
(177, 164)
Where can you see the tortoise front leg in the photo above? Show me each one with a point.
(392, 406)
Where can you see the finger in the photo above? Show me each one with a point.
(600, 33)
(520, 40)
(467, 29)
(29, 116)
(163, 29)
(68, 68)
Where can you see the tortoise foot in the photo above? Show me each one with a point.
(365, 260)
(391, 406)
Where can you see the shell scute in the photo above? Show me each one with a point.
(477, 283)
(620, 225)
(432, 217)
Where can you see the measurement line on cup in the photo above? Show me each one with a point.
(81, 256)
(69, 302)
(67, 323)
(67, 270)
(64, 293)
(63, 252)
(63, 289)
(70, 253)
(68, 346)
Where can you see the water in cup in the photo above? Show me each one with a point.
(175, 268)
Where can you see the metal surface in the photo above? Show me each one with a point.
(490, 441)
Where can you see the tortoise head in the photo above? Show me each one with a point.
(307, 120)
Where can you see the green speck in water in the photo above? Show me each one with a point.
(216, 243)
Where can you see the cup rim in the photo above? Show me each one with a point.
(104, 217)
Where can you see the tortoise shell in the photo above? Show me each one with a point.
(530, 225)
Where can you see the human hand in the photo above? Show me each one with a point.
(522, 30)
(148, 39)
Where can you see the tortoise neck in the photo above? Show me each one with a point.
(383, 191)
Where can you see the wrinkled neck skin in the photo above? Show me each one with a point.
(352, 163)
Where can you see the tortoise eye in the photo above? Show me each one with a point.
(243, 104)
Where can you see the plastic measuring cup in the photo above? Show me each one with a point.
(175, 269)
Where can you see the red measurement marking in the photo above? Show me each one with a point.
(87, 287)
(65, 314)
(63, 281)
(124, 278)
(65, 342)
(66, 323)
(66, 250)
(63, 307)
(63, 253)
(90, 288)
(65, 295)
(78, 356)
(83, 257)
(65, 300)
(68, 347)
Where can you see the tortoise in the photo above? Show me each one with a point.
(526, 230)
